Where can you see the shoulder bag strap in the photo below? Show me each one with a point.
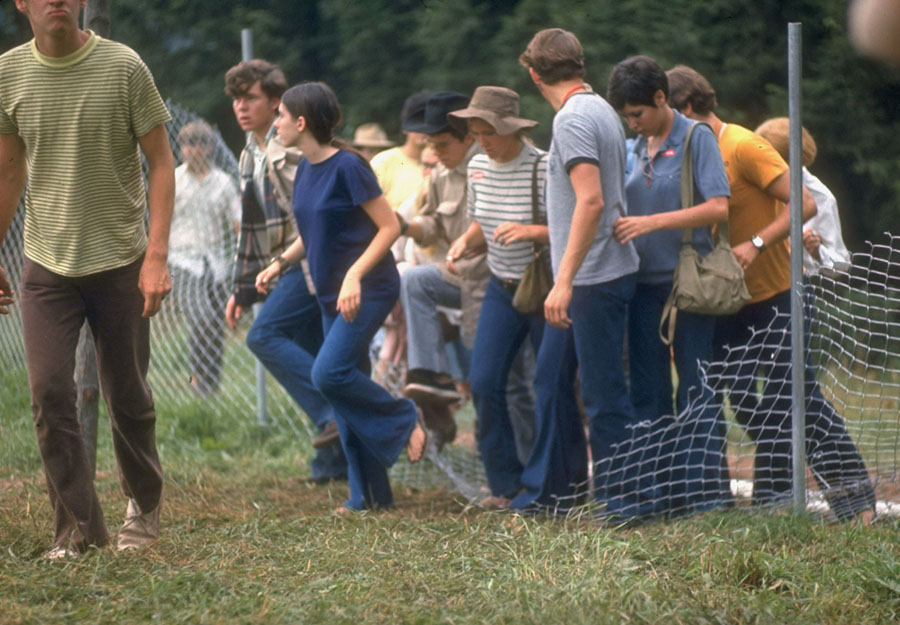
(670, 311)
(535, 214)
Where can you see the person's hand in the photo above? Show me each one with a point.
(232, 313)
(512, 232)
(556, 306)
(155, 283)
(812, 242)
(349, 297)
(626, 229)
(267, 276)
(6, 293)
(745, 253)
(457, 250)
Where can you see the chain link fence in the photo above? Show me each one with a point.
(854, 351)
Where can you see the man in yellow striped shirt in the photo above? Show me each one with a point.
(76, 110)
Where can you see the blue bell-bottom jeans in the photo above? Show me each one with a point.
(501, 332)
(755, 343)
(374, 426)
(693, 443)
(557, 469)
(286, 336)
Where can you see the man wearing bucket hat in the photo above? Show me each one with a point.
(594, 277)
(505, 200)
(425, 287)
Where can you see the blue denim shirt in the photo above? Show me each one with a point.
(655, 187)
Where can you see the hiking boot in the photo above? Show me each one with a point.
(427, 386)
(327, 437)
(138, 529)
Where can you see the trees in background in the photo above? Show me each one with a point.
(374, 53)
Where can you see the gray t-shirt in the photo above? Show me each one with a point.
(587, 129)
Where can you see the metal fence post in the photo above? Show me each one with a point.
(87, 383)
(798, 348)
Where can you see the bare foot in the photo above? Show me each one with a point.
(418, 440)
(495, 503)
(866, 517)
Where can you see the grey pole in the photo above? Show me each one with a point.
(246, 44)
(87, 383)
(798, 360)
(262, 413)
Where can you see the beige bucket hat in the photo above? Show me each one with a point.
(371, 135)
(498, 106)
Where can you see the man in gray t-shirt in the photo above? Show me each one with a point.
(586, 130)
(594, 278)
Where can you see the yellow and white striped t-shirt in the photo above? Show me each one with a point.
(79, 117)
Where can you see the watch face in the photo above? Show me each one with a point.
(758, 242)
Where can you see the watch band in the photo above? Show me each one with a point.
(282, 262)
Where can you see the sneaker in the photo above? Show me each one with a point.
(138, 529)
(327, 437)
(427, 386)
(60, 553)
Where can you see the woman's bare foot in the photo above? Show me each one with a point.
(418, 441)
(495, 503)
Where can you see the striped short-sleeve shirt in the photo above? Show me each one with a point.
(80, 117)
(500, 192)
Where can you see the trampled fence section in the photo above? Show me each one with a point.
(730, 447)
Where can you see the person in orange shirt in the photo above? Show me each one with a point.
(755, 341)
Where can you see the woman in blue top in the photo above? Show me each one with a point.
(638, 88)
(346, 230)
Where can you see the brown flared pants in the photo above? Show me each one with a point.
(54, 308)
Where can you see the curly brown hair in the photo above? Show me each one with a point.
(241, 78)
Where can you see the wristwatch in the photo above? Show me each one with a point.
(282, 262)
(758, 243)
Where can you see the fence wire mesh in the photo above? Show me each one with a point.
(736, 452)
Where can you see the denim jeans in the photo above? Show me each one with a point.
(689, 469)
(558, 465)
(759, 339)
(422, 290)
(594, 346)
(286, 336)
(374, 426)
(501, 332)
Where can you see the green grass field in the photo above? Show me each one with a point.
(246, 540)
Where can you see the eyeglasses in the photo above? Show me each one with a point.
(647, 170)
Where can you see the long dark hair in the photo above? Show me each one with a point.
(319, 106)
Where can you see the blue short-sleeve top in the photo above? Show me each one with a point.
(335, 229)
(655, 187)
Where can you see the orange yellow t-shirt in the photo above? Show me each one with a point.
(752, 164)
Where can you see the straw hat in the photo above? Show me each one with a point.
(371, 135)
(498, 106)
